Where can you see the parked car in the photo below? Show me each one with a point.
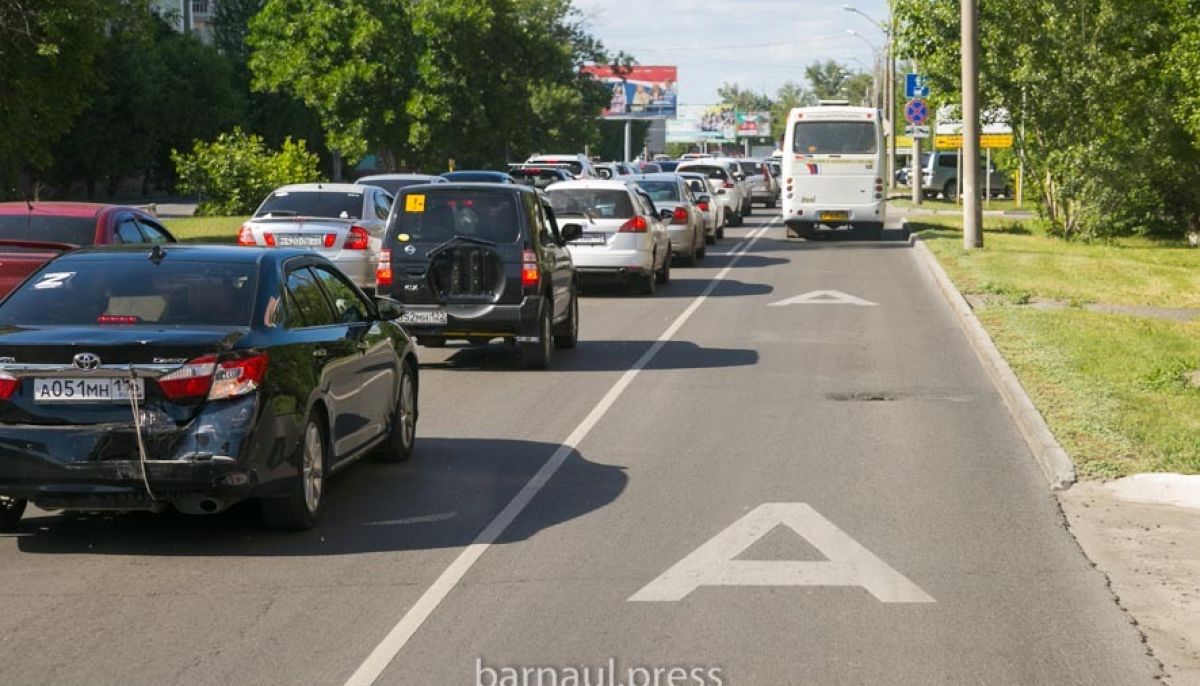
(622, 236)
(579, 165)
(540, 177)
(940, 174)
(610, 170)
(196, 376)
(33, 233)
(646, 168)
(758, 177)
(343, 222)
(477, 262)
(394, 182)
(677, 206)
(729, 191)
(667, 165)
(478, 176)
(706, 201)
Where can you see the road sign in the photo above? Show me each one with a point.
(916, 111)
(986, 141)
(917, 131)
(915, 86)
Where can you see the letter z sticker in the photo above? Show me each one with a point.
(53, 280)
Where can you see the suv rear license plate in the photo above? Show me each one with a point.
(298, 241)
(86, 390)
(426, 316)
(834, 216)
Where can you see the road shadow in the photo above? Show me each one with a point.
(443, 498)
(769, 245)
(746, 261)
(599, 356)
(679, 288)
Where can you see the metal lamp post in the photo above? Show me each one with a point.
(889, 86)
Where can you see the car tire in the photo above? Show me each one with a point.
(402, 435)
(432, 341)
(300, 508)
(701, 250)
(721, 233)
(710, 240)
(11, 511)
(950, 190)
(566, 336)
(663, 275)
(736, 220)
(748, 208)
(537, 355)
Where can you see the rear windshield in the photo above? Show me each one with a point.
(668, 166)
(474, 177)
(710, 172)
(436, 216)
(574, 166)
(124, 291)
(40, 227)
(393, 186)
(331, 204)
(835, 138)
(591, 202)
(661, 191)
(697, 185)
(538, 178)
(751, 168)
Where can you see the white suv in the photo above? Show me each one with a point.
(732, 191)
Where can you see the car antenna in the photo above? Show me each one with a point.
(157, 254)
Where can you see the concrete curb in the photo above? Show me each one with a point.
(1056, 464)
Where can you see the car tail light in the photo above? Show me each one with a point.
(330, 239)
(8, 385)
(727, 184)
(357, 239)
(383, 269)
(245, 235)
(703, 206)
(204, 377)
(269, 238)
(530, 275)
(636, 225)
(125, 319)
(680, 216)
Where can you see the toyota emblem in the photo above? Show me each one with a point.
(88, 362)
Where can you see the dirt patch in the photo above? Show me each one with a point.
(1151, 554)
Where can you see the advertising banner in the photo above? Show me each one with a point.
(754, 124)
(697, 123)
(642, 93)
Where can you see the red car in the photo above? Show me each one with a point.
(31, 233)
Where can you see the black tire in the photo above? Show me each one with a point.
(537, 355)
(663, 275)
(646, 284)
(720, 233)
(432, 341)
(301, 507)
(402, 435)
(748, 208)
(736, 220)
(688, 260)
(11, 511)
(950, 190)
(710, 240)
(701, 251)
(566, 336)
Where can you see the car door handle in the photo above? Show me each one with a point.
(320, 353)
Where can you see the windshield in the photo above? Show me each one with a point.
(661, 191)
(436, 216)
(130, 290)
(835, 138)
(41, 227)
(331, 204)
(574, 166)
(590, 202)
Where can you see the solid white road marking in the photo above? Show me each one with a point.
(398, 637)
(825, 298)
(847, 564)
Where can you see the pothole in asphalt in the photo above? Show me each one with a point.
(864, 397)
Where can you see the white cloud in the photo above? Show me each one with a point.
(697, 35)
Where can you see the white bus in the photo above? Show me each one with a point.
(833, 170)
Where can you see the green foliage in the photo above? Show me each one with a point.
(235, 172)
(828, 79)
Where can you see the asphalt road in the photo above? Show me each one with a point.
(539, 519)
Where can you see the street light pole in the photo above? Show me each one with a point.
(972, 211)
(889, 85)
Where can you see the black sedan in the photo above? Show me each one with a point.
(196, 376)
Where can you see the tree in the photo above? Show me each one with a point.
(789, 96)
(743, 100)
(828, 79)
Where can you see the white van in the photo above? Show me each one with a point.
(833, 169)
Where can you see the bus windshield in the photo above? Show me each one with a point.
(835, 138)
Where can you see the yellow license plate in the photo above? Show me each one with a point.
(835, 216)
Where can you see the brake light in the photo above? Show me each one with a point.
(203, 377)
(330, 239)
(383, 269)
(357, 239)
(8, 385)
(703, 206)
(269, 238)
(245, 235)
(727, 184)
(636, 225)
(125, 319)
(530, 275)
(680, 216)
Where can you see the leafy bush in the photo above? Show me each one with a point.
(236, 171)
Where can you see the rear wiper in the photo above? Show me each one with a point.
(469, 239)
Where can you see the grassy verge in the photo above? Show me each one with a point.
(939, 204)
(1114, 388)
(205, 229)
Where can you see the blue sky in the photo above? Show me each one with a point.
(710, 40)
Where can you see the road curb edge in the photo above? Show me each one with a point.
(1054, 461)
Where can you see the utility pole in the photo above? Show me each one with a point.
(891, 97)
(972, 211)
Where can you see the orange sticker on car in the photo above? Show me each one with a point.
(414, 203)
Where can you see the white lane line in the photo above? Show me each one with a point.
(398, 637)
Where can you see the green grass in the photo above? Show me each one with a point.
(1113, 388)
(996, 204)
(205, 229)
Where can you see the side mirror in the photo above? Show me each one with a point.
(389, 310)
(570, 232)
(667, 215)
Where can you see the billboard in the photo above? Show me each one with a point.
(640, 93)
(696, 123)
(754, 124)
